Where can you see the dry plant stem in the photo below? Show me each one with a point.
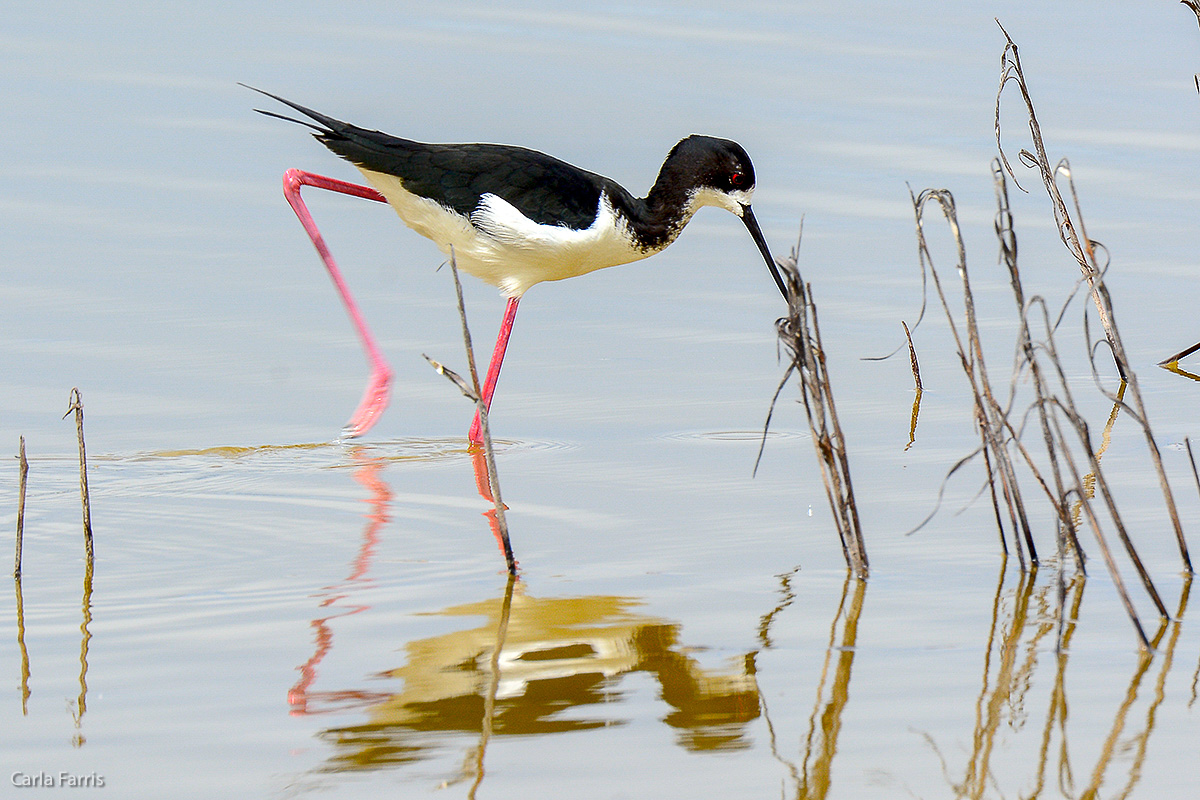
(1178, 370)
(24, 474)
(947, 203)
(988, 413)
(813, 408)
(800, 333)
(987, 462)
(1136, 407)
(838, 443)
(1057, 498)
(1181, 354)
(489, 452)
(912, 356)
(76, 405)
(1074, 236)
(1007, 237)
(916, 371)
(1194, 6)
(1196, 475)
(1138, 410)
(1010, 61)
(1067, 406)
(1106, 494)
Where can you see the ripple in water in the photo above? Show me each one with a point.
(731, 436)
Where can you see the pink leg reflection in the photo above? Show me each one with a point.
(300, 696)
(484, 486)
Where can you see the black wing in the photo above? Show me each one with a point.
(543, 188)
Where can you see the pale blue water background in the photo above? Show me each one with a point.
(150, 259)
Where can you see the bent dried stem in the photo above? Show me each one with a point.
(990, 417)
(800, 334)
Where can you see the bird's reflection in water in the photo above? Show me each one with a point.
(523, 666)
(558, 657)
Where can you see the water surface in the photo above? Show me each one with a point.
(274, 613)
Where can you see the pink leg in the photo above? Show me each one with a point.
(375, 398)
(493, 373)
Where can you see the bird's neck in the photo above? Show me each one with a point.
(657, 219)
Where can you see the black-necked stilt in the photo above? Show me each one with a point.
(515, 217)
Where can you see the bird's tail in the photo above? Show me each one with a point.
(327, 125)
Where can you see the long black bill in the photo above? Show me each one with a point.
(756, 234)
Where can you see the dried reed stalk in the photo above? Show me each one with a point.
(1006, 235)
(1174, 359)
(1191, 458)
(76, 405)
(473, 392)
(801, 336)
(1084, 489)
(916, 371)
(24, 475)
(998, 436)
(912, 357)
(990, 418)
(1074, 237)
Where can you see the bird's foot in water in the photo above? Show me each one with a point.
(370, 408)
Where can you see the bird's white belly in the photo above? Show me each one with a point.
(504, 247)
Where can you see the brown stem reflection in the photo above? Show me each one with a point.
(1021, 620)
(489, 698)
(1178, 370)
(554, 668)
(24, 650)
(85, 638)
(300, 697)
(812, 772)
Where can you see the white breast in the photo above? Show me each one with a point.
(504, 247)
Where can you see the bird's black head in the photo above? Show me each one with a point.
(717, 168)
(706, 171)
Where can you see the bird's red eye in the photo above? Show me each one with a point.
(737, 179)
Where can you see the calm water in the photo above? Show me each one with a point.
(273, 613)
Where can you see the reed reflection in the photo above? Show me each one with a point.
(1173, 366)
(1021, 622)
(85, 638)
(24, 650)
(811, 773)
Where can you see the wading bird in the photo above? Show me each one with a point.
(515, 217)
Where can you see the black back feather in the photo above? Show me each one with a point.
(543, 188)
